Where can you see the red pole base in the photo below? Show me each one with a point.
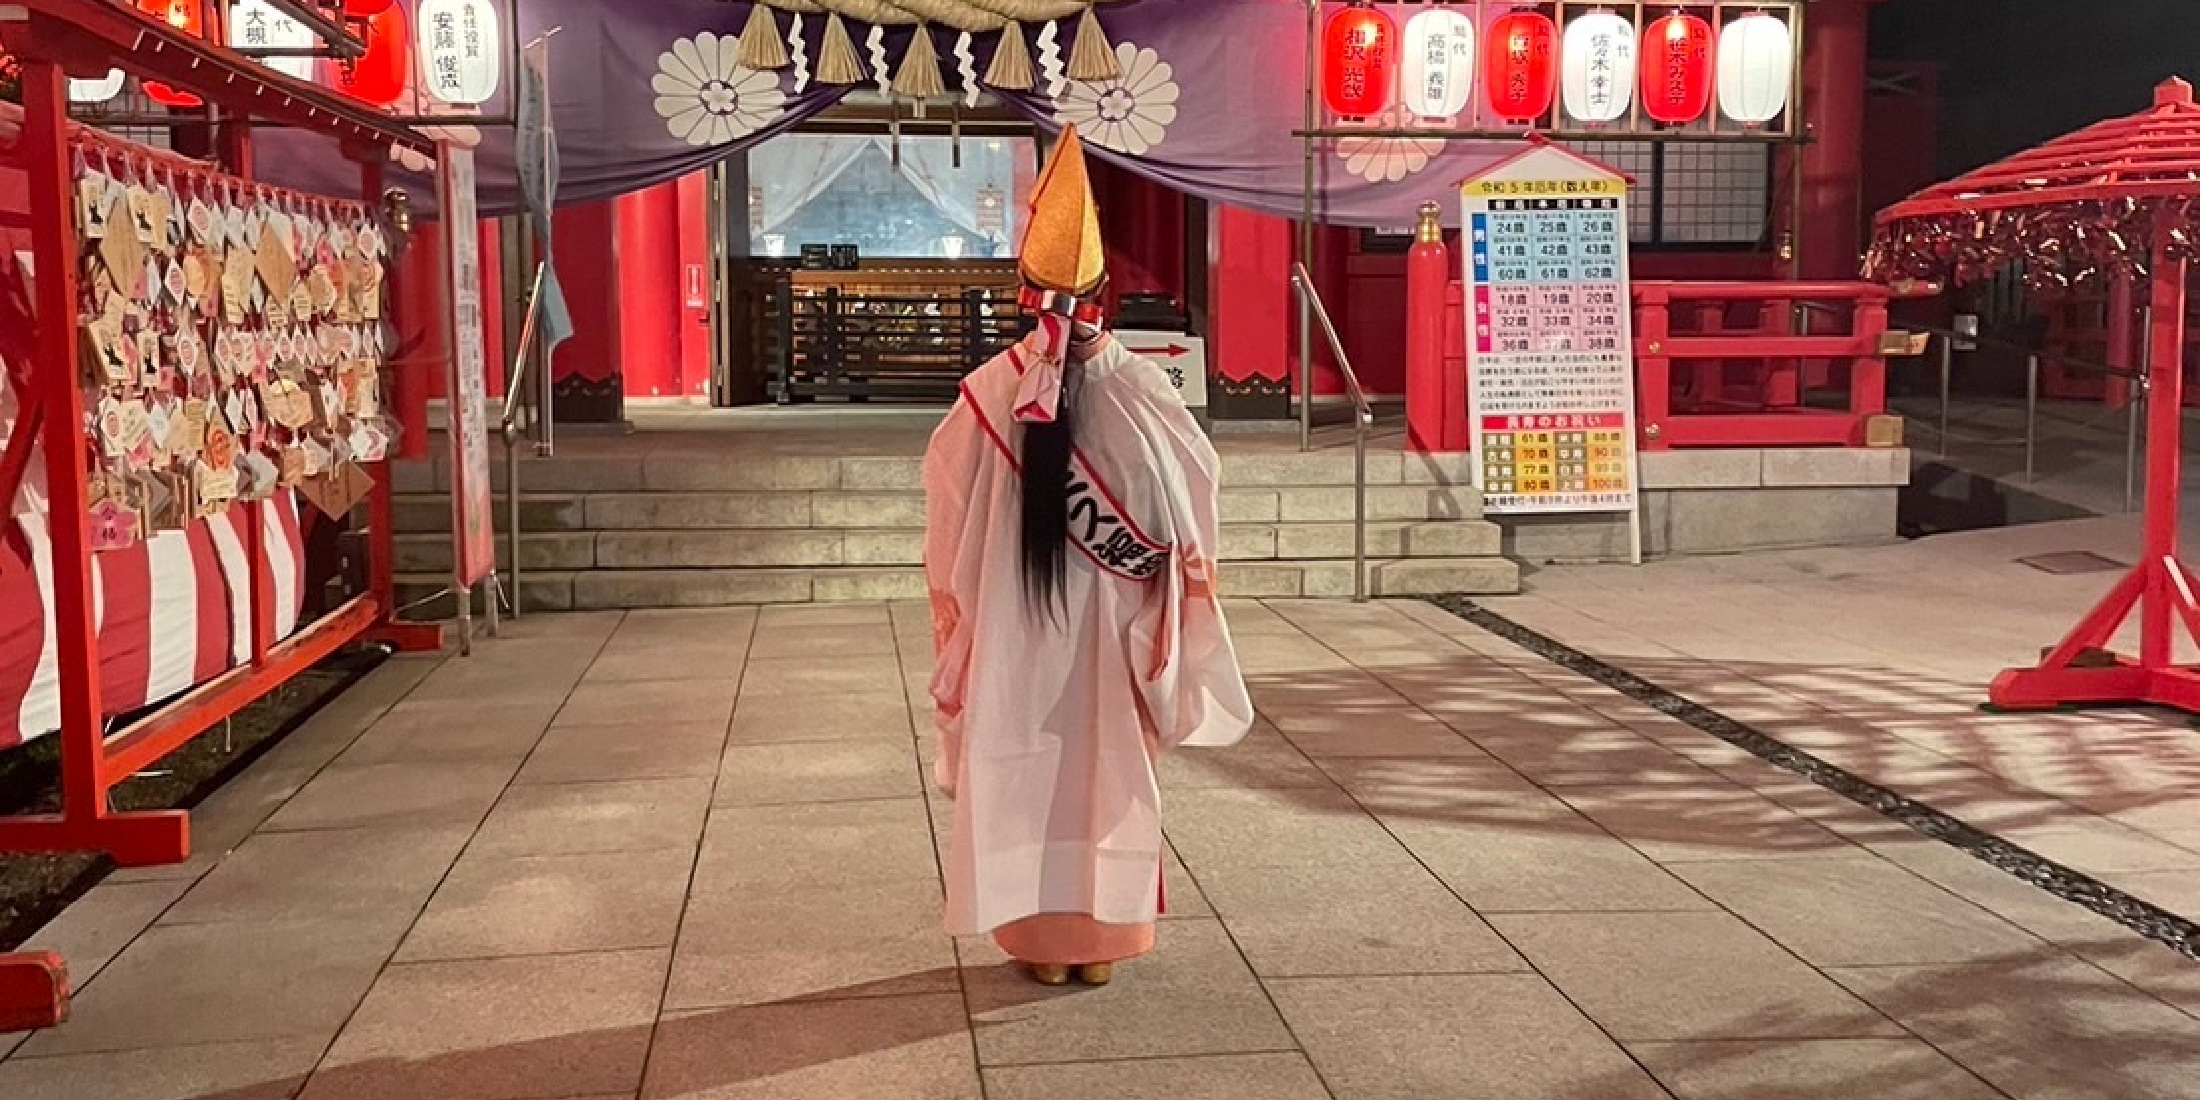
(34, 991)
(154, 838)
(409, 637)
(2074, 674)
(2123, 684)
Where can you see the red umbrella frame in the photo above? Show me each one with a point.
(2116, 199)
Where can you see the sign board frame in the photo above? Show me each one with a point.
(473, 523)
(1183, 357)
(1550, 337)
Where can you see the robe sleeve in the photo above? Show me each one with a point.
(952, 557)
(1188, 669)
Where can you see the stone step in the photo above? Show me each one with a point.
(845, 509)
(697, 467)
(749, 548)
(612, 589)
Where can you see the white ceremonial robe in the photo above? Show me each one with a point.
(1045, 724)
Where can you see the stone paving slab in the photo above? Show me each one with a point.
(693, 854)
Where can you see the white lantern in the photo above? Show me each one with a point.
(460, 52)
(96, 91)
(1438, 63)
(1597, 60)
(1756, 67)
(259, 25)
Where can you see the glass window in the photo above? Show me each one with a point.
(827, 189)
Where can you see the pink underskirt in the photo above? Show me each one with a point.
(1073, 939)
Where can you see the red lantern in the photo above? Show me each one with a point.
(1520, 60)
(382, 74)
(360, 9)
(1677, 74)
(185, 16)
(1359, 62)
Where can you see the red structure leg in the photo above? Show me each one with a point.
(2159, 587)
(34, 991)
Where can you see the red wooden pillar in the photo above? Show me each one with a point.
(1830, 232)
(648, 292)
(45, 147)
(1428, 271)
(2165, 455)
(491, 237)
(1251, 322)
(418, 300)
(585, 370)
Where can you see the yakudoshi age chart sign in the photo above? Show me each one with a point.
(1550, 365)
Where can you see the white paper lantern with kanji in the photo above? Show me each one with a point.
(1597, 62)
(1756, 68)
(460, 50)
(1438, 63)
(98, 90)
(259, 25)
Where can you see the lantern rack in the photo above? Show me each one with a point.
(338, 43)
(1552, 121)
(1554, 19)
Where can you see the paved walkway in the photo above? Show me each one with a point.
(691, 855)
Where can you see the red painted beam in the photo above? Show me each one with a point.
(155, 737)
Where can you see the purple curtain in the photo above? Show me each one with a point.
(1210, 94)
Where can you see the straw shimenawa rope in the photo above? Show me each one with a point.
(1091, 56)
(978, 16)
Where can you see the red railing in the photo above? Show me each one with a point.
(1719, 364)
(1732, 364)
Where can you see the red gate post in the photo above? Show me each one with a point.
(86, 821)
(1428, 269)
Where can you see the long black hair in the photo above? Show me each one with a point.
(1044, 535)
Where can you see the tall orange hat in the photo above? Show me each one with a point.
(1062, 250)
(1063, 263)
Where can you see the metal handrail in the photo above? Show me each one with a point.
(1949, 339)
(1363, 418)
(514, 386)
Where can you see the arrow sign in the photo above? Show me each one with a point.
(1173, 351)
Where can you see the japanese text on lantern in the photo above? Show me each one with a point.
(1550, 369)
(443, 37)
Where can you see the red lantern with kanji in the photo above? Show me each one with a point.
(1520, 65)
(1359, 62)
(1677, 72)
(189, 17)
(379, 76)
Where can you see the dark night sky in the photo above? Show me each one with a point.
(2021, 71)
